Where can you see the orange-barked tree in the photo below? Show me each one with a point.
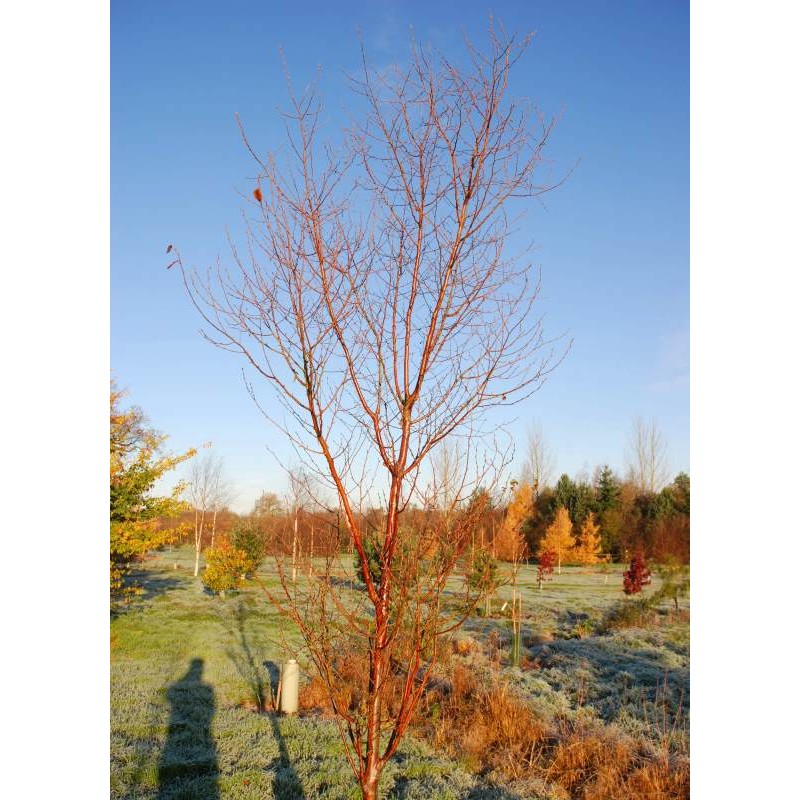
(376, 298)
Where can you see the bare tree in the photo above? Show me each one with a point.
(647, 456)
(540, 461)
(266, 504)
(298, 497)
(221, 494)
(448, 475)
(268, 517)
(376, 297)
(204, 478)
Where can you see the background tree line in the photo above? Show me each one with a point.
(628, 518)
(576, 520)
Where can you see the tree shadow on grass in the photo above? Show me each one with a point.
(188, 766)
(148, 586)
(491, 792)
(262, 679)
(343, 583)
(404, 788)
(242, 656)
(285, 782)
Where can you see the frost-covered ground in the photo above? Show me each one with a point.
(188, 667)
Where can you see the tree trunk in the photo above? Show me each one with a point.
(369, 788)
(213, 527)
(195, 541)
(516, 620)
(311, 553)
(198, 540)
(294, 550)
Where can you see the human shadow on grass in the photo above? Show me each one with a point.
(188, 765)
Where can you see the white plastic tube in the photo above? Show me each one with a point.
(290, 687)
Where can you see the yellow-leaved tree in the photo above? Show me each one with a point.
(510, 542)
(589, 547)
(136, 464)
(558, 539)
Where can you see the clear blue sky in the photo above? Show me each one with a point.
(612, 243)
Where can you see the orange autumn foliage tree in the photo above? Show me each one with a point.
(558, 538)
(588, 550)
(510, 542)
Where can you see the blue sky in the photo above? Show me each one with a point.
(612, 243)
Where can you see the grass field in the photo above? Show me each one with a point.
(188, 668)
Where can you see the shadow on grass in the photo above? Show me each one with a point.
(148, 586)
(188, 765)
(491, 793)
(243, 658)
(402, 790)
(286, 781)
(343, 583)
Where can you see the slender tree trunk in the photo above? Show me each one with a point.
(197, 536)
(311, 553)
(514, 622)
(516, 614)
(198, 543)
(294, 550)
(213, 527)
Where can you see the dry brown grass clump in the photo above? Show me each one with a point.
(594, 763)
(351, 674)
(490, 728)
(484, 724)
(479, 721)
